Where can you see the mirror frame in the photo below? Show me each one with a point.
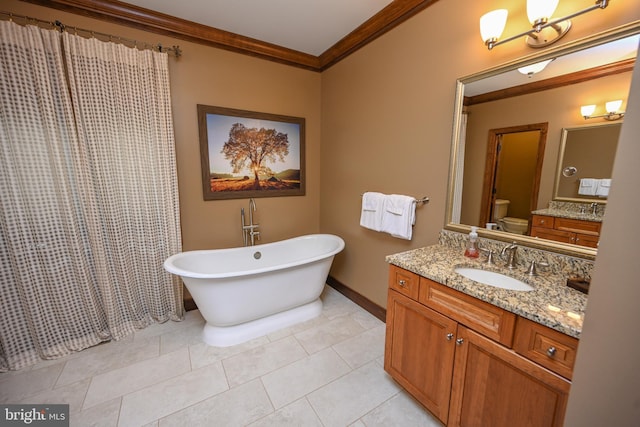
(574, 46)
(561, 154)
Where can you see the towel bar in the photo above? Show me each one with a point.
(421, 201)
(417, 201)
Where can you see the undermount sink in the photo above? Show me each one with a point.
(492, 278)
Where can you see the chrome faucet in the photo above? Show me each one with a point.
(252, 209)
(249, 231)
(532, 270)
(511, 259)
(594, 208)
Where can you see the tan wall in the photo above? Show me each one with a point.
(214, 77)
(387, 114)
(204, 75)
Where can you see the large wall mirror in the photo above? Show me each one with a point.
(514, 129)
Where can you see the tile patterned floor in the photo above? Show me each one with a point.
(324, 372)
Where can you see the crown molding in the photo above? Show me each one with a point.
(118, 12)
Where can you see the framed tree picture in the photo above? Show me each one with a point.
(249, 154)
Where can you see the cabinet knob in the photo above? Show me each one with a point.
(402, 282)
(460, 341)
(542, 221)
(551, 351)
(449, 336)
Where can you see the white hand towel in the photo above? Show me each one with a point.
(603, 187)
(588, 186)
(372, 207)
(399, 216)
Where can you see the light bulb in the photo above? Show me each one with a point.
(613, 106)
(492, 24)
(540, 9)
(587, 110)
(532, 69)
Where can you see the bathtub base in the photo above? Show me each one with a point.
(226, 336)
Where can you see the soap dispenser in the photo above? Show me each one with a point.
(472, 247)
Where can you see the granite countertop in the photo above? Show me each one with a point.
(560, 213)
(551, 303)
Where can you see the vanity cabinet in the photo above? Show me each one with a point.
(566, 230)
(452, 352)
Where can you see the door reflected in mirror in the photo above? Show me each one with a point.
(512, 177)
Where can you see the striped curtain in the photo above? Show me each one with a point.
(88, 192)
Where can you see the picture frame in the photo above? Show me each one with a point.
(247, 154)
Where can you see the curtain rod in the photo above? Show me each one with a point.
(173, 50)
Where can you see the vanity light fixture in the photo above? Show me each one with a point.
(544, 30)
(612, 108)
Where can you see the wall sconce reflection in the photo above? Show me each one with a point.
(532, 69)
(612, 108)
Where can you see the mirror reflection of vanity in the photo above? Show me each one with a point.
(582, 183)
(551, 103)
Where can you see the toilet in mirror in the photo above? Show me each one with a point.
(507, 223)
(525, 151)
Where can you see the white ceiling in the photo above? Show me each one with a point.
(309, 26)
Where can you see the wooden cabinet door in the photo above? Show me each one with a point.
(494, 386)
(419, 352)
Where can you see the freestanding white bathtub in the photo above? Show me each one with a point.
(247, 292)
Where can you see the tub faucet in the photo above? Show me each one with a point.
(249, 231)
(252, 209)
(511, 259)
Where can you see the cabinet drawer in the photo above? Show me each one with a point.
(551, 349)
(542, 221)
(555, 235)
(403, 281)
(480, 316)
(587, 240)
(577, 226)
